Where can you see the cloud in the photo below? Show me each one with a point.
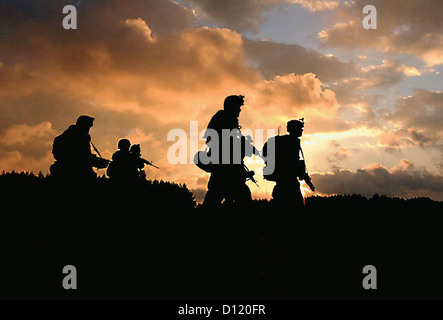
(296, 91)
(404, 27)
(359, 94)
(140, 26)
(247, 15)
(295, 96)
(402, 180)
(351, 90)
(317, 5)
(22, 134)
(275, 59)
(417, 120)
(338, 155)
(121, 61)
(24, 147)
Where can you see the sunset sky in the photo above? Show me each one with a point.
(371, 99)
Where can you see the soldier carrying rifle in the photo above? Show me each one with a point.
(285, 164)
(72, 151)
(139, 162)
(127, 164)
(228, 147)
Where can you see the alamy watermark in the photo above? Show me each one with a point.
(70, 20)
(227, 148)
(70, 280)
(369, 21)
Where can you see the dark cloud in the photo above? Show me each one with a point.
(418, 120)
(403, 180)
(423, 111)
(274, 58)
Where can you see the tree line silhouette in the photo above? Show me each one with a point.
(169, 193)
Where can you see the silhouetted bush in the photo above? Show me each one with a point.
(101, 194)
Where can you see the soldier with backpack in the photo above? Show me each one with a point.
(285, 164)
(72, 152)
(228, 147)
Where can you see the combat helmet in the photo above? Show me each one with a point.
(123, 144)
(233, 101)
(85, 121)
(295, 125)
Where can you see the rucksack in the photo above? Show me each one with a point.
(60, 147)
(199, 160)
(282, 163)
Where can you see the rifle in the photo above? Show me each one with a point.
(150, 163)
(248, 140)
(306, 176)
(100, 162)
(250, 175)
(95, 149)
(309, 183)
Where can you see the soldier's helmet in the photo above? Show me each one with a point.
(135, 149)
(295, 125)
(233, 102)
(85, 121)
(123, 144)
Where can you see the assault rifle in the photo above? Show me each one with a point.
(98, 162)
(149, 163)
(250, 175)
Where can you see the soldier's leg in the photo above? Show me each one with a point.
(277, 199)
(214, 195)
(299, 201)
(213, 198)
(288, 194)
(243, 196)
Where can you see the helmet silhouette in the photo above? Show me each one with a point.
(85, 121)
(295, 125)
(233, 101)
(124, 144)
(135, 149)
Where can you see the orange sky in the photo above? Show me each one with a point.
(142, 68)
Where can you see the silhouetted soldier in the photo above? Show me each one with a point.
(284, 164)
(72, 151)
(138, 162)
(228, 174)
(122, 168)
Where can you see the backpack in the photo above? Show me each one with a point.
(60, 147)
(284, 162)
(200, 160)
